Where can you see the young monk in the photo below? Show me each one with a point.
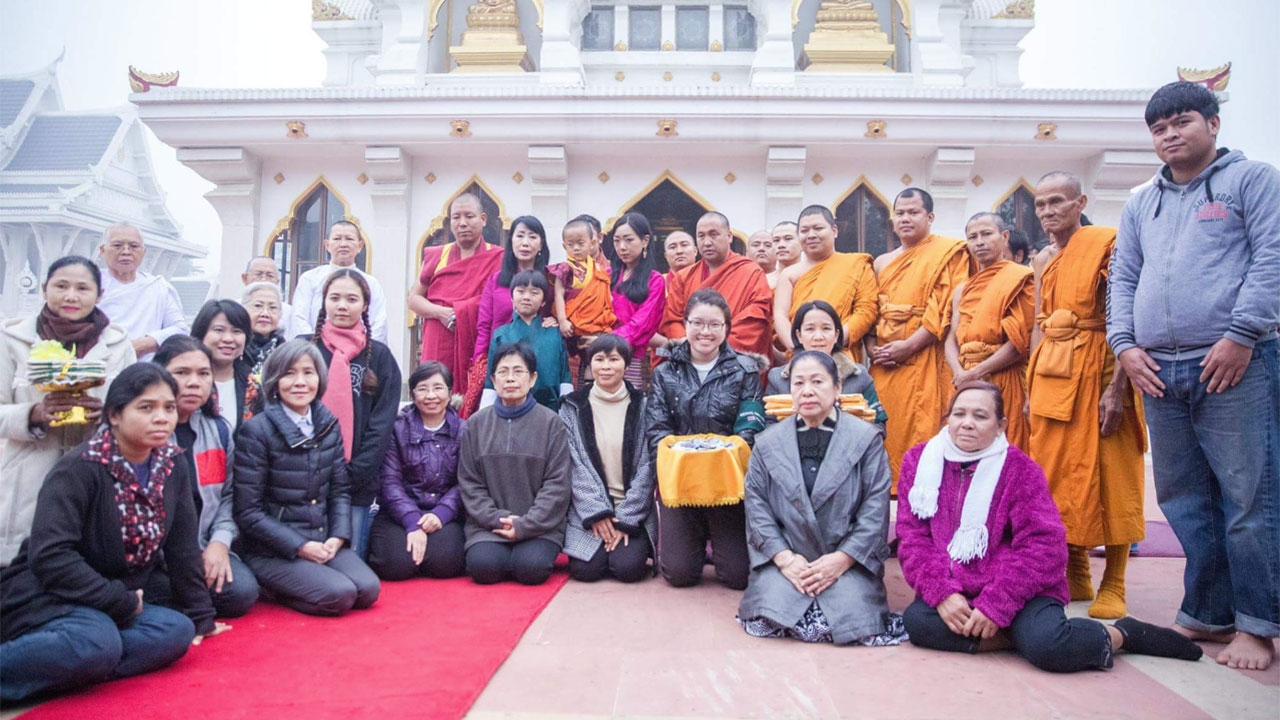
(991, 317)
(583, 298)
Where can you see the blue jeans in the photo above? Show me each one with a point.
(85, 647)
(1217, 470)
(361, 521)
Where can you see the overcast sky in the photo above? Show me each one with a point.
(269, 43)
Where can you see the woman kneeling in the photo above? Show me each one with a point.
(817, 502)
(513, 471)
(983, 546)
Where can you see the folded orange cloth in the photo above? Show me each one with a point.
(702, 478)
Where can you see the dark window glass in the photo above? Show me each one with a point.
(863, 223)
(693, 28)
(644, 28)
(301, 247)
(739, 28)
(1019, 211)
(597, 29)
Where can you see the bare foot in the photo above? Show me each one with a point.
(1204, 635)
(1248, 652)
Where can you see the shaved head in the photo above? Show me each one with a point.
(1068, 180)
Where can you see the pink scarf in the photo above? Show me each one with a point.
(338, 395)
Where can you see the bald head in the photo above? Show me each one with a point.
(1066, 180)
(1060, 201)
(760, 250)
(714, 238)
(679, 250)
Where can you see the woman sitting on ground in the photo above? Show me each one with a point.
(983, 546)
(224, 327)
(704, 387)
(73, 600)
(266, 313)
(208, 448)
(513, 471)
(292, 495)
(816, 326)
(611, 520)
(418, 528)
(31, 441)
(817, 501)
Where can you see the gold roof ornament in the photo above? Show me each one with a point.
(1047, 131)
(1018, 10)
(141, 82)
(1215, 79)
(460, 128)
(325, 12)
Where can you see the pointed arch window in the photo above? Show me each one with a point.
(1018, 209)
(669, 205)
(297, 244)
(863, 221)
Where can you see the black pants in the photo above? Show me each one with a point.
(236, 599)
(627, 563)
(1040, 632)
(528, 562)
(333, 588)
(391, 561)
(682, 544)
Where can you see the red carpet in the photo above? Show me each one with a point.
(426, 649)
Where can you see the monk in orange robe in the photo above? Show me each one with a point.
(1087, 429)
(991, 320)
(846, 281)
(738, 279)
(916, 285)
(583, 299)
(447, 294)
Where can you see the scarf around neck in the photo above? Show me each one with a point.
(258, 347)
(81, 334)
(511, 413)
(142, 512)
(339, 396)
(970, 540)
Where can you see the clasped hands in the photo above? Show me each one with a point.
(607, 532)
(508, 529)
(318, 552)
(964, 619)
(812, 578)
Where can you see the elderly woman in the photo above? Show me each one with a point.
(817, 326)
(266, 308)
(513, 471)
(984, 548)
(611, 520)
(32, 442)
(817, 501)
(111, 511)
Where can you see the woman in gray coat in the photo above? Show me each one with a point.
(817, 504)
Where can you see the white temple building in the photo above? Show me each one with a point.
(754, 108)
(67, 175)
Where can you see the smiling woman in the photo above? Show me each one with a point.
(223, 326)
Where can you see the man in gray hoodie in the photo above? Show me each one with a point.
(1193, 308)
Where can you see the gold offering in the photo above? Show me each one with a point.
(53, 368)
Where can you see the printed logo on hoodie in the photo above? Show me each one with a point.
(1215, 211)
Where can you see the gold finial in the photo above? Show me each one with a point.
(667, 128)
(603, 177)
(460, 128)
(1215, 79)
(518, 177)
(141, 82)
(875, 128)
(1047, 131)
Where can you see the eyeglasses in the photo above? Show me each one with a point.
(504, 373)
(121, 247)
(258, 307)
(716, 326)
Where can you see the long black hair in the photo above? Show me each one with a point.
(510, 265)
(132, 382)
(176, 345)
(636, 287)
(370, 384)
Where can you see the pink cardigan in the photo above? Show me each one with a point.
(1027, 554)
(638, 323)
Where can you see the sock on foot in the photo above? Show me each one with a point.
(1111, 603)
(1078, 577)
(1146, 639)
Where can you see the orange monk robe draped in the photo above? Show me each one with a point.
(589, 307)
(743, 284)
(455, 283)
(847, 281)
(997, 306)
(1096, 482)
(916, 290)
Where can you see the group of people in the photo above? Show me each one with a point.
(225, 461)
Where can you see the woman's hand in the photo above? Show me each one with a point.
(980, 626)
(955, 612)
(604, 531)
(315, 552)
(333, 544)
(823, 572)
(619, 537)
(416, 545)
(217, 566)
(566, 328)
(218, 629)
(508, 529)
(793, 567)
(429, 523)
(138, 610)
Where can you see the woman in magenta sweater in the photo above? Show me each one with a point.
(984, 548)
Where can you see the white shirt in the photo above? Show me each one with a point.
(307, 302)
(227, 400)
(146, 307)
(703, 369)
(302, 421)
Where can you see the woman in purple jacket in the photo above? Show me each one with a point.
(984, 548)
(418, 529)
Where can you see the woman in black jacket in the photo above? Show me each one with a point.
(704, 387)
(224, 327)
(72, 601)
(363, 390)
(292, 497)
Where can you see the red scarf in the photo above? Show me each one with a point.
(338, 395)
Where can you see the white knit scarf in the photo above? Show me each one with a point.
(970, 540)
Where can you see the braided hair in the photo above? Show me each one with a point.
(369, 386)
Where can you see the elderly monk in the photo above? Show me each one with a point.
(740, 281)
(991, 318)
(1087, 430)
(680, 251)
(447, 294)
(760, 250)
(145, 305)
(916, 284)
(846, 281)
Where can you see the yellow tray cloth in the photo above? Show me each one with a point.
(702, 478)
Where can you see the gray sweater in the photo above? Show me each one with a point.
(515, 467)
(1198, 262)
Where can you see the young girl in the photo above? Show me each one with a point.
(528, 288)
(639, 292)
(583, 304)
(363, 389)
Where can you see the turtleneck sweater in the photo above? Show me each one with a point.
(609, 411)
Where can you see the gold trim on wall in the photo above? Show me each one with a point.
(1021, 183)
(862, 181)
(433, 12)
(438, 223)
(288, 219)
(666, 175)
